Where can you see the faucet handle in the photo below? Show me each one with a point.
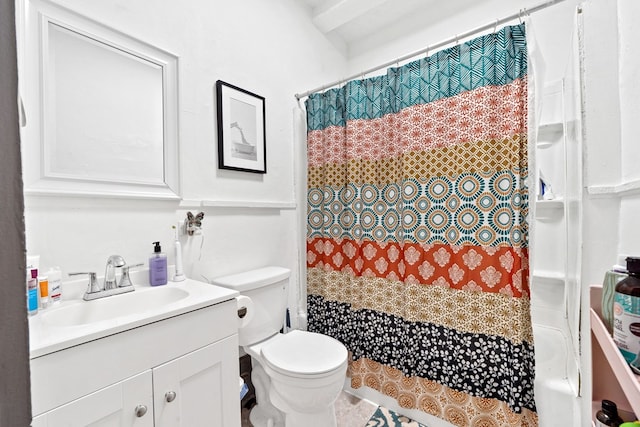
(93, 281)
(126, 280)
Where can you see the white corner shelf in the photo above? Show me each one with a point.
(620, 384)
(549, 277)
(550, 204)
(549, 209)
(549, 134)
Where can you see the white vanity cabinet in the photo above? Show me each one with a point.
(180, 371)
(199, 389)
(113, 406)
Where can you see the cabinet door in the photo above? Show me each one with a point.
(200, 388)
(113, 406)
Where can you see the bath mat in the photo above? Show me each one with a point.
(384, 417)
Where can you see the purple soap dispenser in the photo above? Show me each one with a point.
(157, 266)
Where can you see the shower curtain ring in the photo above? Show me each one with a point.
(495, 26)
(520, 16)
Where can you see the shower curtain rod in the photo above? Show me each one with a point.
(523, 12)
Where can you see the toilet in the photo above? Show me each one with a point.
(298, 375)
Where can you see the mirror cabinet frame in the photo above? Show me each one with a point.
(38, 131)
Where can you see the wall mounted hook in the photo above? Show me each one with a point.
(193, 223)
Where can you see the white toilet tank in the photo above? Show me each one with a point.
(267, 288)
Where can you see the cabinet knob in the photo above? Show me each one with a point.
(140, 410)
(170, 396)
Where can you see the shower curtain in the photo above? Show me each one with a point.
(417, 235)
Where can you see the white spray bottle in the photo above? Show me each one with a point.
(179, 274)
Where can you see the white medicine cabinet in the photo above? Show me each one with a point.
(100, 108)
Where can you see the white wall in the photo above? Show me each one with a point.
(613, 154)
(602, 148)
(629, 69)
(268, 48)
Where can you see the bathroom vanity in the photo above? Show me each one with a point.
(173, 363)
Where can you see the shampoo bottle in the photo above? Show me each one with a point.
(157, 266)
(626, 312)
(611, 280)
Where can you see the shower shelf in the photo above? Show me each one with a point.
(549, 209)
(550, 204)
(549, 133)
(613, 379)
(549, 277)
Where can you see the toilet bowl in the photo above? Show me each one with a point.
(297, 376)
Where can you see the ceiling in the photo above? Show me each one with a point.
(349, 23)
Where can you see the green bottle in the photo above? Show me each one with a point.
(626, 315)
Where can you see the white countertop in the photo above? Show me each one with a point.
(46, 337)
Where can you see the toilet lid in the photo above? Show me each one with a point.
(305, 353)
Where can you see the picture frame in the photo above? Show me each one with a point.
(242, 144)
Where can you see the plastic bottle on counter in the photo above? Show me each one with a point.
(43, 285)
(32, 291)
(55, 285)
(611, 280)
(157, 266)
(626, 315)
(608, 415)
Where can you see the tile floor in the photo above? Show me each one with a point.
(351, 411)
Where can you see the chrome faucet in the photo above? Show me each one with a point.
(110, 286)
(113, 262)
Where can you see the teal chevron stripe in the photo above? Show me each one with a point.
(328, 110)
(493, 59)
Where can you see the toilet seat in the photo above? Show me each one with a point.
(304, 354)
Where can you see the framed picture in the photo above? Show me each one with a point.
(241, 129)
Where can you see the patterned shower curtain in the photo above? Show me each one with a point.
(417, 235)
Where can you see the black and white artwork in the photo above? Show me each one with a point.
(241, 129)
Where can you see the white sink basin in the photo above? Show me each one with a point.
(75, 321)
(112, 307)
